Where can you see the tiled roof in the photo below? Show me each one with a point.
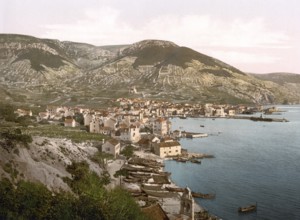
(155, 212)
(169, 144)
(69, 120)
(160, 120)
(113, 141)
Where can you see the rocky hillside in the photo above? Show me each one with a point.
(289, 81)
(44, 160)
(42, 71)
(279, 78)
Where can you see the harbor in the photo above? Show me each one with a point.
(249, 156)
(143, 176)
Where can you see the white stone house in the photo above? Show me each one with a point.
(22, 112)
(105, 130)
(167, 149)
(160, 126)
(95, 125)
(112, 146)
(70, 122)
(111, 122)
(219, 112)
(87, 119)
(176, 134)
(44, 115)
(130, 134)
(231, 112)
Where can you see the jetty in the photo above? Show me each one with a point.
(193, 135)
(194, 194)
(252, 118)
(191, 155)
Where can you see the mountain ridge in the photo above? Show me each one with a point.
(64, 72)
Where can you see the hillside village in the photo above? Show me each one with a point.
(143, 123)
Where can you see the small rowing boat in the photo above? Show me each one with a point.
(247, 209)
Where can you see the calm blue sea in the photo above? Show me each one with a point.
(255, 162)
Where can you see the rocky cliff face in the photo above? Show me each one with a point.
(42, 70)
(44, 160)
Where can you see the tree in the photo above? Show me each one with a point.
(7, 200)
(122, 206)
(33, 200)
(128, 151)
(79, 118)
(63, 206)
(7, 112)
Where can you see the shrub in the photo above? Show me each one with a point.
(128, 151)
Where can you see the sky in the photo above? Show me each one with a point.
(258, 36)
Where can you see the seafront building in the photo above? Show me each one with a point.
(167, 149)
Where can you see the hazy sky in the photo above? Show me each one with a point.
(253, 35)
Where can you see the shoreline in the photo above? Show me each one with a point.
(150, 185)
(169, 201)
(241, 117)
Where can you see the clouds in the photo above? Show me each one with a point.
(222, 39)
(99, 27)
(105, 26)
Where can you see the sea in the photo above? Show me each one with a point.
(255, 163)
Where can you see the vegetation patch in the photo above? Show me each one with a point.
(57, 131)
(13, 137)
(38, 58)
(100, 158)
(128, 151)
(9, 168)
(218, 72)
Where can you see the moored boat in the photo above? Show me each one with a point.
(174, 189)
(203, 196)
(247, 209)
(195, 161)
(180, 159)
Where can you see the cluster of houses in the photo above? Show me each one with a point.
(144, 123)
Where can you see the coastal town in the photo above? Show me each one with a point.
(146, 126)
(144, 123)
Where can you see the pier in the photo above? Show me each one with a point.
(194, 135)
(259, 118)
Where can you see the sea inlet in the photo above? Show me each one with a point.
(255, 162)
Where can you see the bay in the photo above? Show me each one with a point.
(255, 162)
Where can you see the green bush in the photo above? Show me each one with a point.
(128, 151)
(16, 136)
(29, 200)
(100, 158)
(7, 112)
